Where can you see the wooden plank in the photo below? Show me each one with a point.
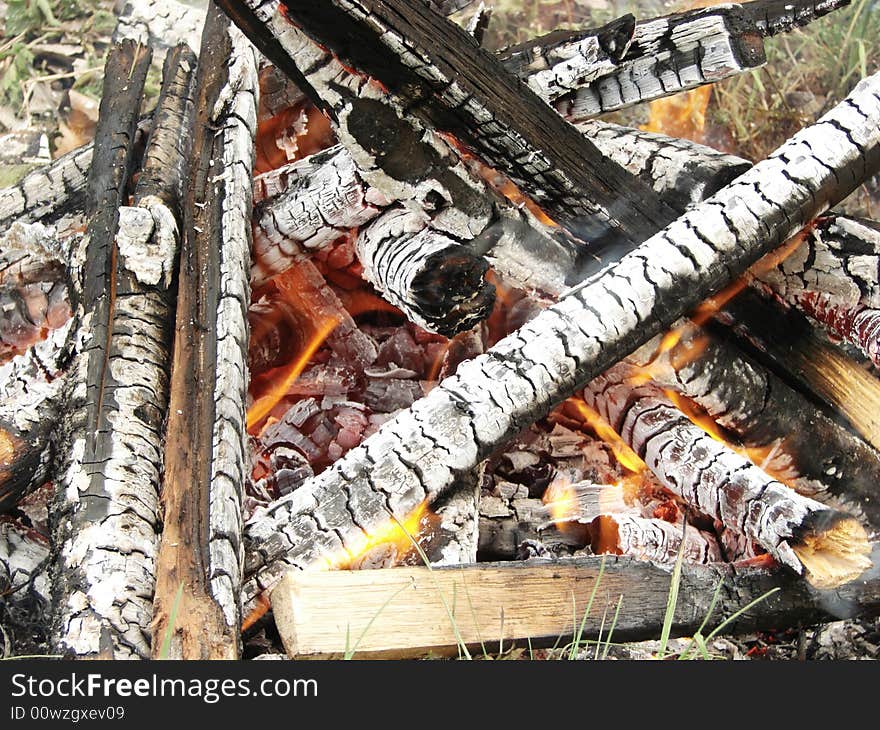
(399, 613)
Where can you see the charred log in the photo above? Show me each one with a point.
(24, 589)
(783, 430)
(106, 519)
(826, 546)
(199, 555)
(417, 455)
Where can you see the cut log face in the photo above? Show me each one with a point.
(417, 455)
(199, 558)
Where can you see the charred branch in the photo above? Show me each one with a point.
(24, 588)
(106, 519)
(205, 463)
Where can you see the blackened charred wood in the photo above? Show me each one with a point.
(790, 345)
(205, 463)
(49, 192)
(24, 588)
(781, 16)
(417, 455)
(787, 434)
(436, 72)
(107, 514)
(681, 172)
(826, 546)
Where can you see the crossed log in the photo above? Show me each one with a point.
(437, 443)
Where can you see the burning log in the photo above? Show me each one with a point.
(797, 353)
(198, 566)
(418, 454)
(780, 429)
(400, 612)
(413, 51)
(834, 278)
(24, 585)
(651, 539)
(828, 547)
(681, 172)
(106, 519)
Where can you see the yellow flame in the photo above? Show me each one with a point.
(680, 115)
(399, 534)
(264, 405)
(561, 499)
(628, 458)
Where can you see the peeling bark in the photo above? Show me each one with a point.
(198, 567)
(418, 454)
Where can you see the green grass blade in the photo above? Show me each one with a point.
(165, 649)
(613, 624)
(672, 599)
(739, 613)
(349, 653)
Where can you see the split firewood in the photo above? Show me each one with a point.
(403, 612)
(24, 585)
(828, 547)
(418, 454)
(198, 566)
(780, 429)
(799, 353)
(106, 516)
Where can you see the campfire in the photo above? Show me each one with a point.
(362, 310)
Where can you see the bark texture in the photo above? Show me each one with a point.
(199, 559)
(106, 518)
(418, 454)
(828, 547)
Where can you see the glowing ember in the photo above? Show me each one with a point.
(628, 458)
(394, 538)
(264, 405)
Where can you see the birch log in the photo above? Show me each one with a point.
(418, 454)
(161, 24)
(200, 552)
(106, 518)
(828, 547)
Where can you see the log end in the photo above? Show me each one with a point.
(834, 555)
(451, 291)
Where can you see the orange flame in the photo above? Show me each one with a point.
(680, 115)
(628, 458)
(264, 405)
(561, 500)
(398, 534)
